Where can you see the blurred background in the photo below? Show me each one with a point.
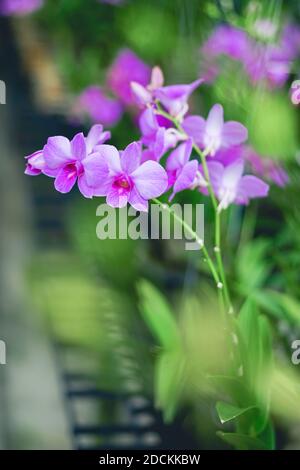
(85, 367)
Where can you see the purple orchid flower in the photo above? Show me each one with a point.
(174, 97)
(230, 186)
(213, 134)
(65, 160)
(20, 7)
(266, 168)
(98, 106)
(127, 68)
(157, 138)
(123, 179)
(183, 173)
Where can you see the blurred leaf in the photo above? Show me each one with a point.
(268, 436)
(253, 268)
(249, 340)
(264, 372)
(241, 441)
(169, 382)
(289, 305)
(267, 301)
(228, 412)
(158, 316)
(144, 27)
(257, 354)
(113, 258)
(232, 387)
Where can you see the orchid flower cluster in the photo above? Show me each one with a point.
(136, 174)
(265, 59)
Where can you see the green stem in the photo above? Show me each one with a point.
(219, 258)
(218, 250)
(194, 235)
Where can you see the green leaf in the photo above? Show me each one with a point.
(252, 267)
(228, 412)
(242, 441)
(169, 382)
(268, 436)
(264, 371)
(232, 387)
(249, 340)
(266, 301)
(289, 305)
(158, 316)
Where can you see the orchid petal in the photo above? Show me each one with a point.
(78, 146)
(96, 136)
(233, 173)
(150, 179)
(142, 95)
(66, 179)
(131, 157)
(115, 198)
(215, 121)
(57, 152)
(137, 201)
(186, 177)
(180, 156)
(84, 188)
(251, 187)
(233, 134)
(96, 169)
(194, 126)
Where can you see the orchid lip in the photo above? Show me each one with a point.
(122, 183)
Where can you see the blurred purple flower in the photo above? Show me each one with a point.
(229, 41)
(269, 62)
(99, 107)
(213, 134)
(266, 168)
(261, 166)
(20, 7)
(230, 186)
(290, 41)
(127, 68)
(123, 178)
